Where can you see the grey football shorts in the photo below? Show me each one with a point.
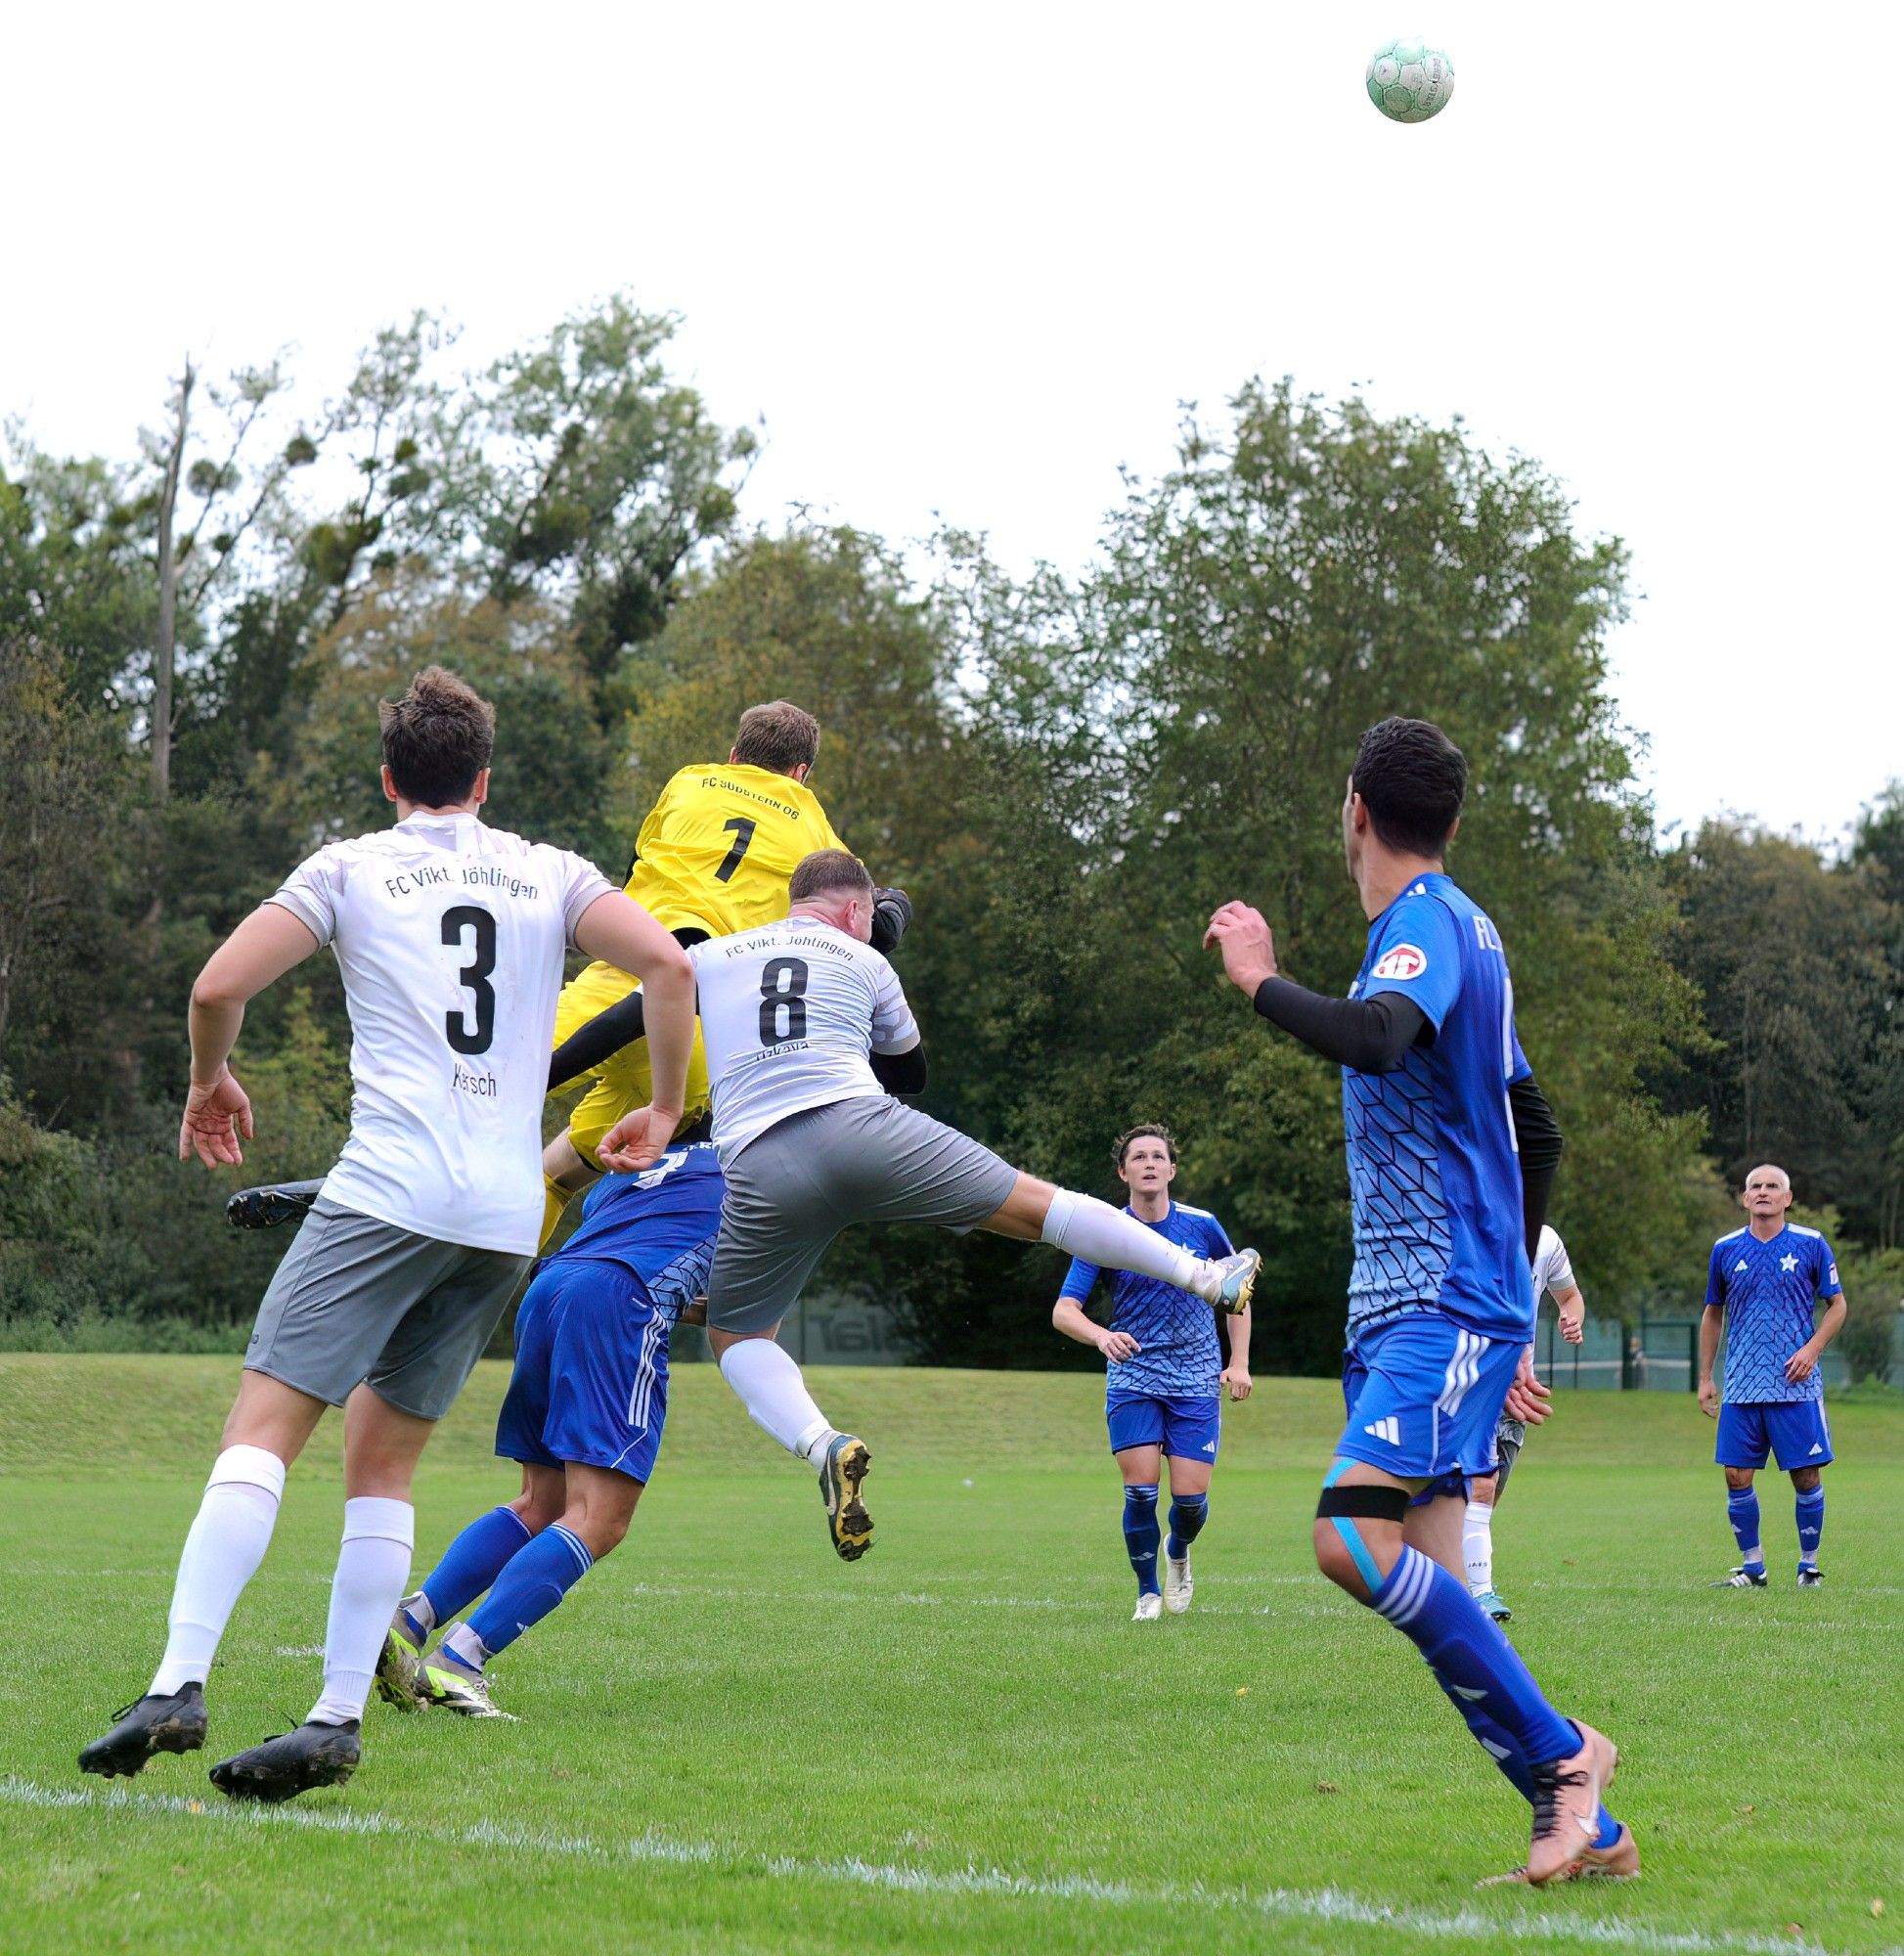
(358, 1299)
(791, 1190)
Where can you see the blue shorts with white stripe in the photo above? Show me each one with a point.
(591, 1377)
(1424, 1397)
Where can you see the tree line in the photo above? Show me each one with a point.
(1067, 770)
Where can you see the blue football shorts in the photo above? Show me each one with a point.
(1186, 1429)
(591, 1377)
(1795, 1429)
(1425, 1396)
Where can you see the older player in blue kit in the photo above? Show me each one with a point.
(1451, 1148)
(1761, 1287)
(1163, 1391)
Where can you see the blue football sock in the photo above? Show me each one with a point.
(473, 1561)
(1188, 1513)
(1811, 1525)
(1471, 1661)
(535, 1578)
(1141, 1534)
(1742, 1511)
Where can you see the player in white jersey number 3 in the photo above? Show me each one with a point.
(807, 1034)
(450, 937)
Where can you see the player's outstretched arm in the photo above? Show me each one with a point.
(259, 952)
(620, 932)
(1365, 1034)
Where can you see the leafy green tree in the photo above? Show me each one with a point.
(1177, 726)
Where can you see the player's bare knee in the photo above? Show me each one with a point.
(1738, 1479)
(1804, 1480)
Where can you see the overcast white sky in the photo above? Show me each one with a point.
(966, 262)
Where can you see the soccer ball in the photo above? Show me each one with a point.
(1409, 82)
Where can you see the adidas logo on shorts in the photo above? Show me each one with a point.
(1388, 1429)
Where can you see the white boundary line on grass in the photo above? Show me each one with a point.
(1327, 1905)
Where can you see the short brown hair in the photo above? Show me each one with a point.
(437, 738)
(778, 736)
(829, 869)
(1146, 1130)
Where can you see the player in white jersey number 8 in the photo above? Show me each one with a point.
(808, 1033)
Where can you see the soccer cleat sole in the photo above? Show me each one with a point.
(122, 1754)
(849, 1526)
(398, 1668)
(273, 1771)
(1236, 1302)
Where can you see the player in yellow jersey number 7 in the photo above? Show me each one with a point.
(713, 857)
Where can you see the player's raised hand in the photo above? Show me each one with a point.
(215, 1116)
(1249, 951)
(1527, 1397)
(1117, 1346)
(636, 1139)
(1237, 1379)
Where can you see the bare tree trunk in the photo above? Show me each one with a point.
(169, 598)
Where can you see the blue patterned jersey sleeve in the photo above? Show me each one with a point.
(1826, 1270)
(1714, 1280)
(1079, 1281)
(1418, 957)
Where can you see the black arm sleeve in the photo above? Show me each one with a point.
(1538, 1136)
(1365, 1034)
(900, 1072)
(604, 1035)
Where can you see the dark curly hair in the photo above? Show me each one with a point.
(1148, 1129)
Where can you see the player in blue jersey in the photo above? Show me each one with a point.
(1452, 1151)
(1761, 1287)
(583, 1414)
(1163, 1390)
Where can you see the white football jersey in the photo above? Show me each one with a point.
(1552, 1272)
(789, 1013)
(450, 936)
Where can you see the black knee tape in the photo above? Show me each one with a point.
(1371, 1504)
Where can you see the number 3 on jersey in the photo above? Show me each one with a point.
(783, 990)
(464, 1034)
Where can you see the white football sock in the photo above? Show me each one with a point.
(372, 1571)
(775, 1393)
(1083, 1227)
(1478, 1547)
(222, 1553)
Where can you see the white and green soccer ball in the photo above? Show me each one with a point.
(1409, 82)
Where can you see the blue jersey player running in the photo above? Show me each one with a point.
(1451, 1149)
(583, 1414)
(1163, 1388)
(1761, 1286)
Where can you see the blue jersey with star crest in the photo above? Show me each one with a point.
(1766, 1290)
(1434, 1176)
(1177, 1355)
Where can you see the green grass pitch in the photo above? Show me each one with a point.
(731, 1741)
